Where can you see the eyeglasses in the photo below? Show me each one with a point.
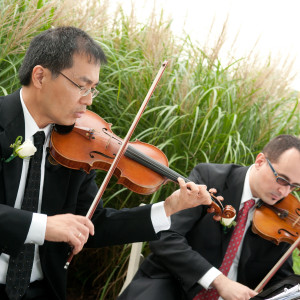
(83, 90)
(283, 181)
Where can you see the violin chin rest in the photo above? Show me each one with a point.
(63, 129)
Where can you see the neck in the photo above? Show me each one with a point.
(31, 100)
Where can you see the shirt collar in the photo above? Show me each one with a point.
(247, 194)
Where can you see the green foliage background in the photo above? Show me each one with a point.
(201, 111)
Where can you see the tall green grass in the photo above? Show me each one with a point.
(201, 111)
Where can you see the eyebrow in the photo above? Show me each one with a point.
(88, 81)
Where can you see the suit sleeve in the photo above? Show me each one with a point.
(173, 251)
(112, 226)
(14, 226)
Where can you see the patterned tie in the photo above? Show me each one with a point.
(231, 251)
(20, 266)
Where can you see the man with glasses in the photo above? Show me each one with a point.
(195, 258)
(41, 219)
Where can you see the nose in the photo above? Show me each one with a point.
(285, 190)
(86, 100)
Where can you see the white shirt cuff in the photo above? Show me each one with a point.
(37, 229)
(159, 218)
(209, 277)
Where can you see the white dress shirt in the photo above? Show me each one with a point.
(36, 233)
(211, 275)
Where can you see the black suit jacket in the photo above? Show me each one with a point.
(196, 242)
(65, 191)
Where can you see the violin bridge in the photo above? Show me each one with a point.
(296, 222)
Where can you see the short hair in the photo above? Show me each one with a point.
(54, 49)
(280, 144)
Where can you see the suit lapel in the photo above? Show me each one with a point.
(12, 121)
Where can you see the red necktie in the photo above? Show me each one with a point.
(231, 251)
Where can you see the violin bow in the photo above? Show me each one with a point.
(277, 266)
(121, 151)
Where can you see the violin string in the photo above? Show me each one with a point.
(149, 162)
(293, 218)
(152, 164)
(159, 168)
(290, 217)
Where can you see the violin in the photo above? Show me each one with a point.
(143, 168)
(279, 222)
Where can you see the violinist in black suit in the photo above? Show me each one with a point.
(187, 258)
(59, 76)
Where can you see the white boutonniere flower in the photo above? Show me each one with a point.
(24, 150)
(227, 223)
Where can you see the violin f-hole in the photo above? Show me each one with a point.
(288, 232)
(101, 154)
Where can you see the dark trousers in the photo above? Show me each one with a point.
(37, 290)
(143, 287)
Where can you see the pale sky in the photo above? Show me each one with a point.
(275, 23)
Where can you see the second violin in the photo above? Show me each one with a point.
(279, 222)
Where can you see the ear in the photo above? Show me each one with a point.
(37, 76)
(260, 160)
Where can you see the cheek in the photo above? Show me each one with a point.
(263, 186)
(64, 96)
(64, 105)
(58, 109)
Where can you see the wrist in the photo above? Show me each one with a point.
(168, 207)
(218, 282)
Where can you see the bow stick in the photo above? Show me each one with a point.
(114, 164)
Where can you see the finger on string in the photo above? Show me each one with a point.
(220, 198)
(212, 190)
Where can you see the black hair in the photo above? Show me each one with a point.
(54, 49)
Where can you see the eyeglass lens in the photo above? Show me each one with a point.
(85, 92)
(284, 182)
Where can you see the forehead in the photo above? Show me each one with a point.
(288, 164)
(85, 67)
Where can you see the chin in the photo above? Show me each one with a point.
(272, 201)
(66, 122)
(71, 123)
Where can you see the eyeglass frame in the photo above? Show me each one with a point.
(83, 91)
(283, 181)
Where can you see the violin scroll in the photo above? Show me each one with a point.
(221, 212)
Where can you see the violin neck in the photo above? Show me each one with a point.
(160, 169)
(152, 164)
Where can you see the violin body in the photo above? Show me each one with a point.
(93, 145)
(279, 222)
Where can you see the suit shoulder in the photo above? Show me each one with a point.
(215, 168)
(204, 172)
(10, 107)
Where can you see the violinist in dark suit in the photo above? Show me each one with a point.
(187, 259)
(59, 76)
